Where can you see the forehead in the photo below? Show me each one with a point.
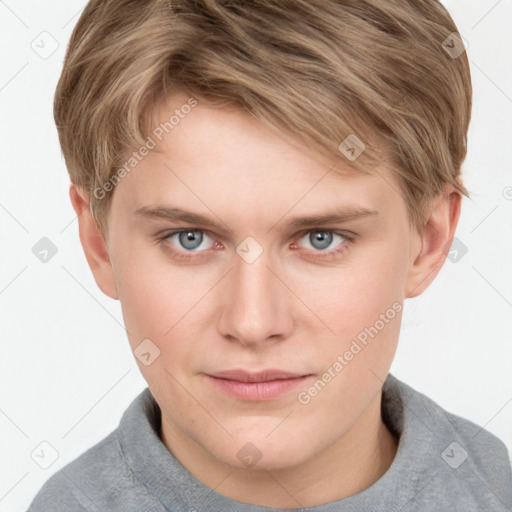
(225, 159)
(185, 122)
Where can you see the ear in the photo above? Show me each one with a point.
(433, 242)
(93, 243)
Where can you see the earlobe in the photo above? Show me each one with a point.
(93, 243)
(434, 241)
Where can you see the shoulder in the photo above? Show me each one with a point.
(70, 489)
(102, 477)
(484, 446)
(465, 459)
(487, 455)
(84, 483)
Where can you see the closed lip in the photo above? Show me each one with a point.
(267, 375)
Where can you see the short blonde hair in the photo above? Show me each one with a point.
(320, 70)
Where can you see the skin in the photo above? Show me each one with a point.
(290, 309)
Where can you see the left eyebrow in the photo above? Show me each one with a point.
(334, 217)
(178, 214)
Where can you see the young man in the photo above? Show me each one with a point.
(262, 185)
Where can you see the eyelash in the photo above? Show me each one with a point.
(322, 255)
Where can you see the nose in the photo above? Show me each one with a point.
(256, 304)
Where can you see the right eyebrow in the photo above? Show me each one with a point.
(177, 214)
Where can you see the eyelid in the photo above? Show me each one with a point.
(335, 231)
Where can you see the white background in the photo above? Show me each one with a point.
(67, 374)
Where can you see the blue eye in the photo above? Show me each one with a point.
(190, 239)
(322, 239)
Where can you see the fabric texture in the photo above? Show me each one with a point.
(443, 462)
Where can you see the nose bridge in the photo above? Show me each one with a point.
(256, 304)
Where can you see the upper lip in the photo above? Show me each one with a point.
(259, 376)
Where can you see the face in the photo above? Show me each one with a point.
(268, 329)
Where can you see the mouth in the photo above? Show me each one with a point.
(256, 386)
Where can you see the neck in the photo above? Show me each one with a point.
(350, 465)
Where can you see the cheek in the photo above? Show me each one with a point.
(363, 308)
(155, 304)
(167, 304)
(146, 304)
(154, 295)
(353, 295)
(361, 302)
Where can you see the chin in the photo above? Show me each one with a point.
(261, 452)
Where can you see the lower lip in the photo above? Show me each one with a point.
(257, 391)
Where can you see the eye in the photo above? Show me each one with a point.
(320, 240)
(192, 244)
(189, 240)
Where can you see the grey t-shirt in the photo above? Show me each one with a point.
(443, 462)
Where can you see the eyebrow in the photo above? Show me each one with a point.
(344, 214)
